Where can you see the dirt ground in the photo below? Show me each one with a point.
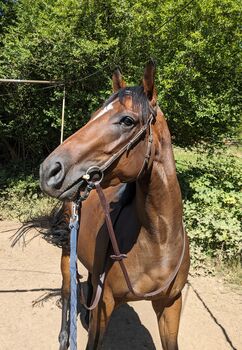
(211, 315)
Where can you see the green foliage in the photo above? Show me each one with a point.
(200, 76)
(196, 47)
(57, 41)
(21, 197)
(211, 186)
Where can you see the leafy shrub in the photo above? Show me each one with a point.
(211, 187)
(196, 45)
(21, 198)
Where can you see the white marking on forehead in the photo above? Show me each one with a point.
(107, 108)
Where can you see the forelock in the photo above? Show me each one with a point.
(140, 101)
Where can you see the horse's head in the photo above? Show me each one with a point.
(116, 142)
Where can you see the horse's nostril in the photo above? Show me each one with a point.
(56, 175)
(55, 170)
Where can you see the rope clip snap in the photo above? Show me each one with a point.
(75, 215)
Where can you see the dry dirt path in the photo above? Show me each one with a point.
(211, 315)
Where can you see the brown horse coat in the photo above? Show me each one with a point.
(147, 213)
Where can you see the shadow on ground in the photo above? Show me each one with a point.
(125, 331)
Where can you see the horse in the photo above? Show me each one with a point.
(128, 138)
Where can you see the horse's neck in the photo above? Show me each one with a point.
(159, 204)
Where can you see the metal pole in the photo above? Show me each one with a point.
(30, 81)
(63, 114)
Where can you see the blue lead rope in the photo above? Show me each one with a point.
(74, 226)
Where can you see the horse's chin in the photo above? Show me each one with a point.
(72, 194)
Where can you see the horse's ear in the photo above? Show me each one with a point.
(118, 82)
(149, 82)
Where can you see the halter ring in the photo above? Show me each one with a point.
(94, 175)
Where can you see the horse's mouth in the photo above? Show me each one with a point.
(72, 192)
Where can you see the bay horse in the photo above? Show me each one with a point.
(145, 205)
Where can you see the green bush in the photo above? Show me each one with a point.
(211, 187)
(21, 197)
(196, 45)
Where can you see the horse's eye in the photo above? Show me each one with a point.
(127, 121)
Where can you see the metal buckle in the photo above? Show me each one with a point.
(91, 173)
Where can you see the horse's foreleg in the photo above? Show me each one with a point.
(65, 296)
(99, 319)
(168, 317)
